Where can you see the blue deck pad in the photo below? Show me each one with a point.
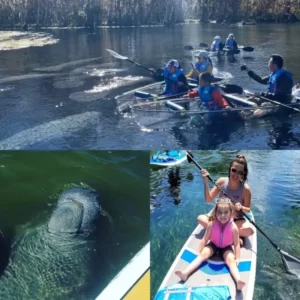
(214, 269)
(180, 292)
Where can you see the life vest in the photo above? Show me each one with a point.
(222, 236)
(229, 43)
(205, 95)
(273, 80)
(215, 46)
(172, 81)
(201, 68)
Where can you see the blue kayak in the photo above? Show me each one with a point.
(168, 158)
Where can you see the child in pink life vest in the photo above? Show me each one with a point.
(221, 234)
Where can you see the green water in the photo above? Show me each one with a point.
(32, 181)
(274, 180)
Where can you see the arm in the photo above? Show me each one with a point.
(210, 195)
(236, 243)
(206, 237)
(182, 82)
(246, 208)
(209, 69)
(262, 80)
(193, 93)
(218, 98)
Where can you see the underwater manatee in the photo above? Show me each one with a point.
(53, 260)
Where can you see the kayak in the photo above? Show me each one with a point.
(167, 158)
(148, 109)
(212, 279)
(219, 52)
(133, 282)
(261, 107)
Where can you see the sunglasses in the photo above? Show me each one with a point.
(233, 170)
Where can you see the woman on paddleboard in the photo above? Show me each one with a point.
(220, 235)
(237, 190)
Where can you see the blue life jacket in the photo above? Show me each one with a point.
(172, 81)
(229, 43)
(201, 68)
(205, 95)
(274, 77)
(215, 46)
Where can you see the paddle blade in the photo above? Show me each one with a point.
(189, 155)
(291, 263)
(116, 55)
(231, 88)
(188, 47)
(203, 45)
(248, 49)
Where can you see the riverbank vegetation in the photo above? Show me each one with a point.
(92, 13)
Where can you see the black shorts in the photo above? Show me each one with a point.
(238, 219)
(219, 251)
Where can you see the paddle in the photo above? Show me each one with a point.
(272, 101)
(247, 49)
(156, 74)
(291, 263)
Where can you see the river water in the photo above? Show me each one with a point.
(47, 103)
(177, 198)
(31, 185)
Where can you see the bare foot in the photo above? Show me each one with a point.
(240, 284)
(241, 242)
(182, 276)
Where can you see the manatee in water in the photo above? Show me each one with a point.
(54, 260)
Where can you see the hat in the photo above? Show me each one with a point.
(202, 54)
(231, 35)
(217, 37)
(173, 62)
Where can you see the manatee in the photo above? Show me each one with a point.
(53, 260)
(61, 128)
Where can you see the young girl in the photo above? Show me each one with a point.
(209, 95)
(203, 64)
(221, 233)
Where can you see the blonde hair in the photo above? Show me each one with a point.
(222, 202)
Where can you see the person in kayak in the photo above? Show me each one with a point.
(204, 64)
(176, 82)
(280, 82)
(217, 44)
(230, 43)
(209, 95)
(237, 189)
(220, 235)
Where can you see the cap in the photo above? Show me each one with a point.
(202, 54)
(173, 62)
(217, 37)
(231, 35)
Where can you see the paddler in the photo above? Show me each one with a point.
(230, 43)
(217, 44)
(280, 81)
(204, 64)
(210, 96)
(176, 82)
